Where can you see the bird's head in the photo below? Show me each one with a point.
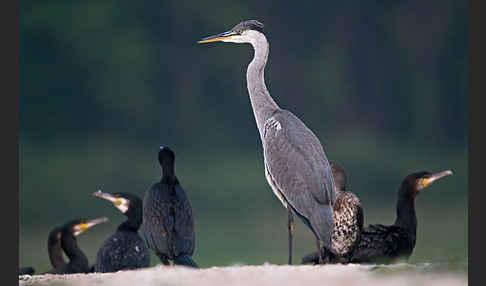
(339, 176)
(78, 226)
(122, 201)
(414, 183)
(243, 32)
(166, 155)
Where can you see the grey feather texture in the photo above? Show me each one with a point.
(300, 171)
(296, 166)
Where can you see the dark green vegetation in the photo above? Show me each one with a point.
(104, 84)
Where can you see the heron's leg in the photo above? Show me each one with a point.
(291, 230)
(319, 251)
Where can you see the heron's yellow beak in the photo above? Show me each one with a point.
(219, 37)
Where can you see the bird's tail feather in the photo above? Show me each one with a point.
(185, 260)
(323, 223)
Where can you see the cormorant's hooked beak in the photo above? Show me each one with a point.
(106, 196)
(119, 202)
(80, 228)
(219, 37)
(435, 177)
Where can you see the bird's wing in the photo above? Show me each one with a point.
(378, 243)
(183, 224)
(347, 223)
(298, 166)
(157, 221)
(294, 156)
(135, 254)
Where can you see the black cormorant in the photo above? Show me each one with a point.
(54, 250)
(167, 216)
(388, 243)
(125, 249)
(78, 262)
(348, 221)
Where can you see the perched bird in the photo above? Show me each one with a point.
(125, 249)
(78, 262)
(348, 221)
(167, 216)
(389, 243)
(296, 167)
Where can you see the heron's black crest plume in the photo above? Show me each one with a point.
(248, 25)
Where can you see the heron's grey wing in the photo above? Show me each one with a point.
(287, 140)
(298, 168)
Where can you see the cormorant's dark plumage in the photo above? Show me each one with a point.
(54, 247)
(388, 243)
(78, 262)
(385, 244)
(348, 220)
(26, 270)
(125, 249)
(167, 216)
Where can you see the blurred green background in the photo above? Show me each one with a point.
(103, 84)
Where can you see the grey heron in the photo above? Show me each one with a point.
(168, 223)
(296, 167)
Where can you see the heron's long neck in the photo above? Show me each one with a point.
(262, 103)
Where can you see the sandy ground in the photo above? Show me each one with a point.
(397, 275)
